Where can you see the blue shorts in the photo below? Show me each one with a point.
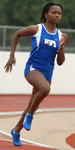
(47, 75)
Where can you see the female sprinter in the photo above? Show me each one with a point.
(47, 41)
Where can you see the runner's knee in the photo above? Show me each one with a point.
(45, 90)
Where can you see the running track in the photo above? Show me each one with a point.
(14, 103)
(19, 102)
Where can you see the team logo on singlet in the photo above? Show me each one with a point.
(50, 42)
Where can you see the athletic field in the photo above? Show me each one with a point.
(53, 122)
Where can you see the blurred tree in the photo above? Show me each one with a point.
(68, 19)
(27, 12)
(3, 16)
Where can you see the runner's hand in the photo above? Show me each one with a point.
(8, 66)
(63, 40)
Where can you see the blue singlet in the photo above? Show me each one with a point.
(45, 46)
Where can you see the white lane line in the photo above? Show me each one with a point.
(31, 142)
(7, 140)
(44, 137)
(38, 111)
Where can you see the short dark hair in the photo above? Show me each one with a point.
(46, 9)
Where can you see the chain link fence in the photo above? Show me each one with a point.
(24, 43)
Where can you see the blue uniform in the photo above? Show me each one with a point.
(45, 46)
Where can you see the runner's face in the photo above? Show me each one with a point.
(54, 15)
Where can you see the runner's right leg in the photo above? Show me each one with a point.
(19, 125)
